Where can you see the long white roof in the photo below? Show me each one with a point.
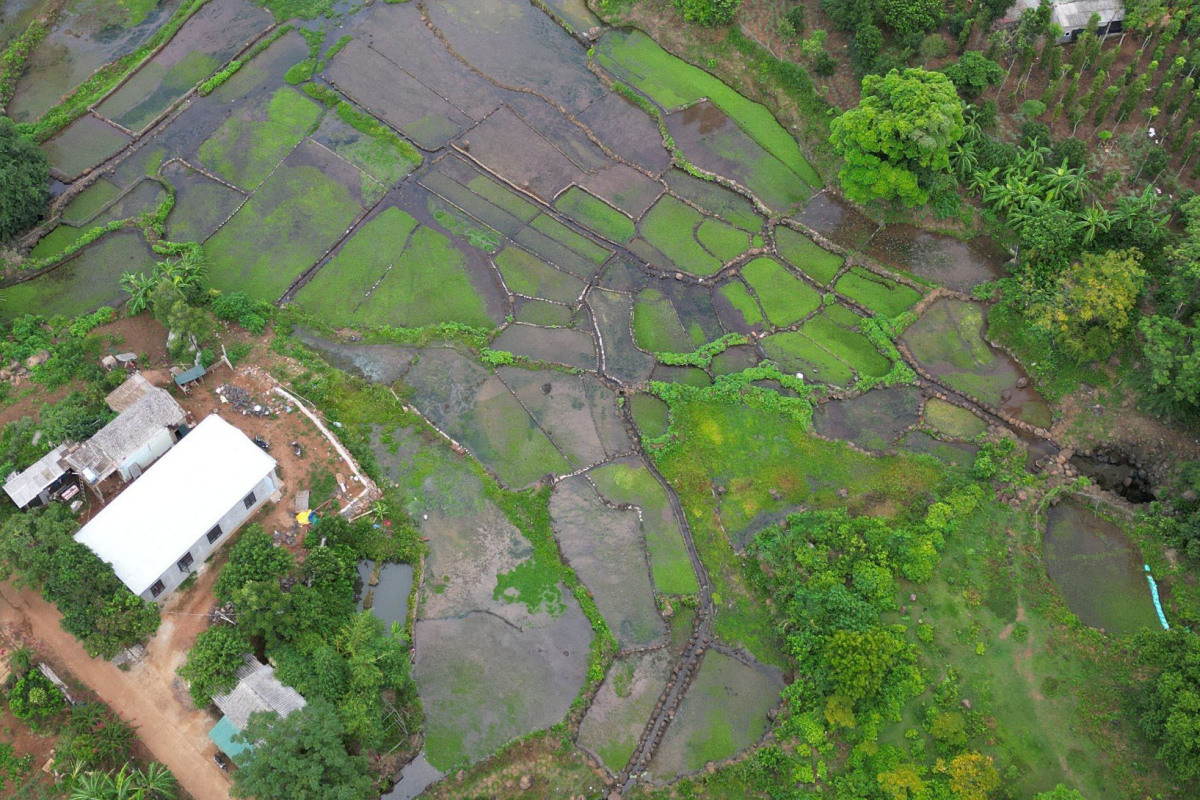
(150, 525)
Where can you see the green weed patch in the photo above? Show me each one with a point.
(596, 215)
(785, 298)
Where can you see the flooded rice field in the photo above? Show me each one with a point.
(1097, 569)
(458, 164)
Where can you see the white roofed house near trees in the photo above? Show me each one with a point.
(163, 526)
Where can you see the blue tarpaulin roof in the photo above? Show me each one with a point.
(187, 376)
(222, 735)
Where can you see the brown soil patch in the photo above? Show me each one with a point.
(145, 696)
(142, 334)
(548, 771)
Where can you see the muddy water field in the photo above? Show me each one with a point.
(468, 165)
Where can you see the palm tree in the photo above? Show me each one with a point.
(1093, 221)
(1068, 181)
(981, 181)
(158, 782)
(139, 286)
(965, 160)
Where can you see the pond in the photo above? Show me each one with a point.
(1097, 569)
(388, 597)
(414, 779)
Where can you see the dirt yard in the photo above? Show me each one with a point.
(149, 695)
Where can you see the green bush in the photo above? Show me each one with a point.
(24, 181)
(34, 698)
(240, 308)
(708, 12)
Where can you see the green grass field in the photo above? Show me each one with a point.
(285, 227)
(670, 566)
(881, 295)
(596, 215)
(740, 298)
(429, 284)
(806, 255)
(850, 346)
(721, 239)
(90, 200)
(342, 284)
(528, 275)
(952, 421)
(795, 352)
(673, 83)
(244, 152)
(503, 197)
(656, 325)
(56, 241)
(669, 226)
(650, 414)
(569, 238)
(785, 298)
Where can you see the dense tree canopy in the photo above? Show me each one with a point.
(213, 662)
(24, 181)
(300, 757)
(899, 136)
(1171, 698)
(38, 549)
(1094, 304)
(708, 12)
(973, 73)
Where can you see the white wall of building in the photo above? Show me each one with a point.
(202, 548)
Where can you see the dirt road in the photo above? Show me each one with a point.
(149, 695)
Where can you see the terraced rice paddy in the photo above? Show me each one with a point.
(472, 173)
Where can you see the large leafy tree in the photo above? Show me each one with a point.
(708, 12)
(898, 136)
(908, 17)
(1172, 351)
(213, 662)
(24, 181)
(973, 73)
(300, 757)
(37, 547)
(1170, 699)
(1094, 304)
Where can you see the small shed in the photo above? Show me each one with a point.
(257, 689)
(35, 484)
(190, 376)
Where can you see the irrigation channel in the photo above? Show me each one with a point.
(606, 208)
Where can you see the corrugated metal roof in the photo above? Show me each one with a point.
(1073, 16)
(187, 376)
(257, 690)
(222, 736)
(154, 410)
(133, 389)
(24, 487)
(146, 529)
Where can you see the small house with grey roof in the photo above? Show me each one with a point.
(257, 689)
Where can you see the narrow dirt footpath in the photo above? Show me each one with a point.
(145, 696)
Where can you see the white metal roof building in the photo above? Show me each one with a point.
(170, 518)
(1073, 15)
